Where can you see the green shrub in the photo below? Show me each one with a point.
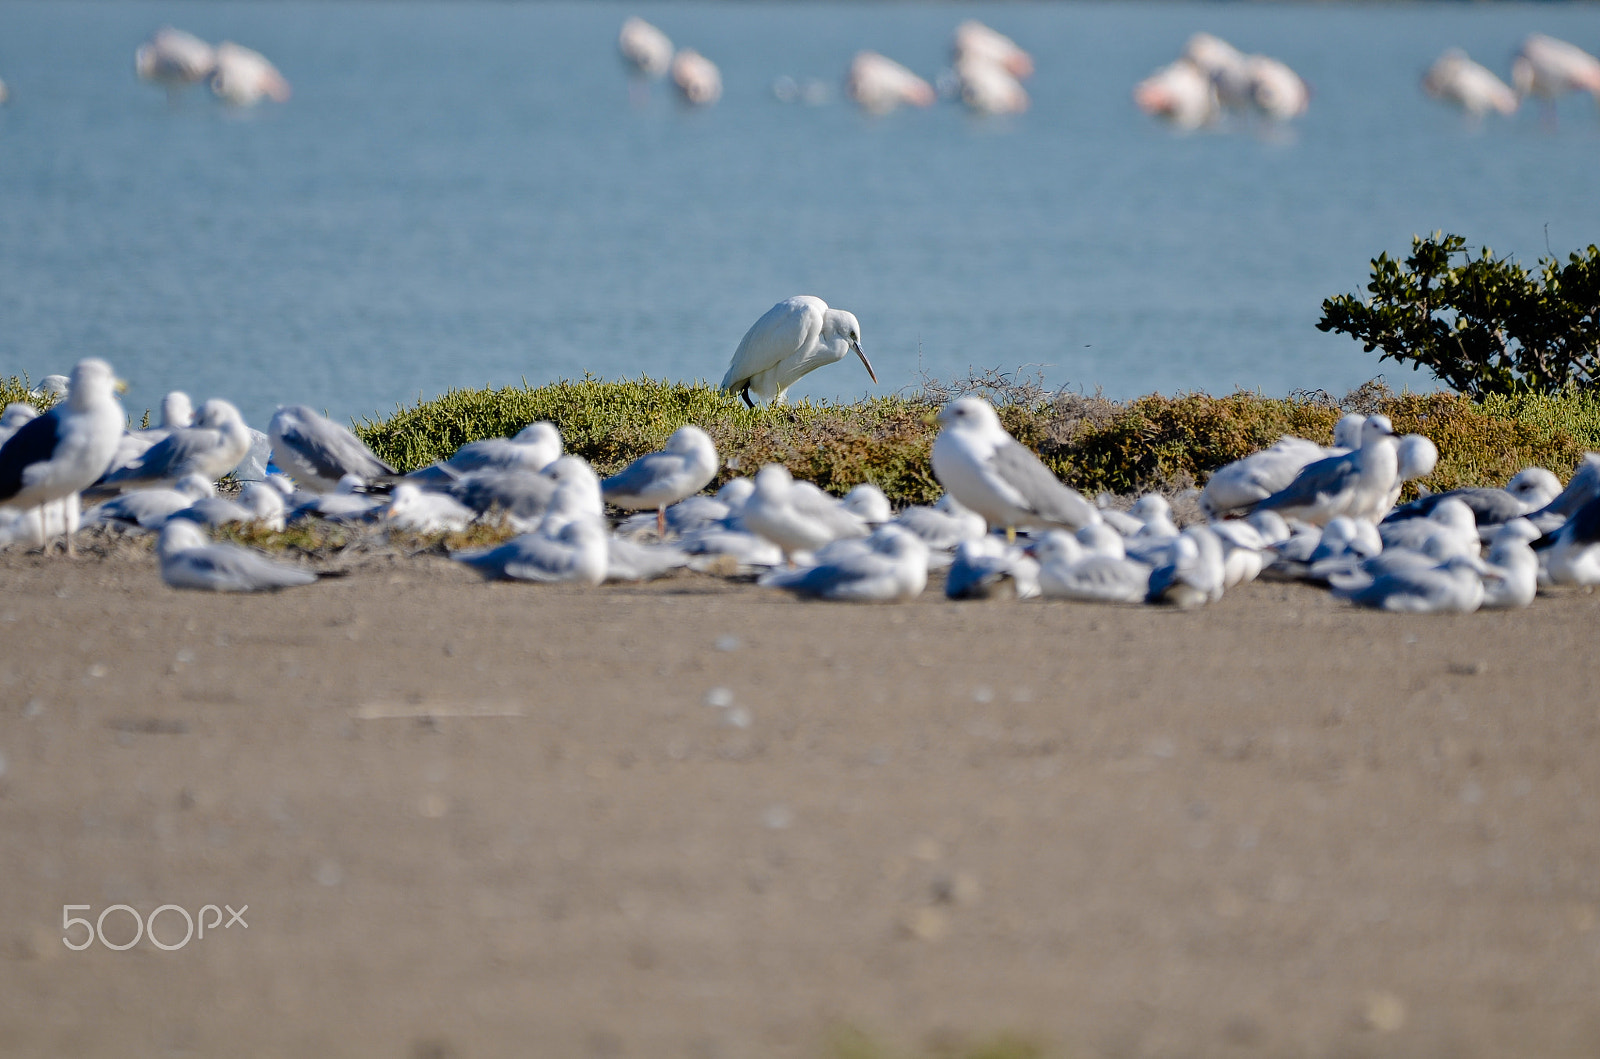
(1092, 443)
(1486, 326)
(14, 389)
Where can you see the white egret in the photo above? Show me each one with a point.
(794, 337)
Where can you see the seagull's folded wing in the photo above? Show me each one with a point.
(1042, 492)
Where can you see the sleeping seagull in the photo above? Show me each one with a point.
(176, 412)
(683, 468)
(1455, 585)
(189, 560)
(54, 456)
(985, 469)
(891, 565)
(1571, 555)
(149, 509)
(211, 448)
(1530, 488)
(577, 554)
(15, 414)
(797, 516)
(317, 452)
(533, 448)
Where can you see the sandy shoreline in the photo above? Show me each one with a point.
(477, 819)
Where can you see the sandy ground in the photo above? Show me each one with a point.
(478, 820)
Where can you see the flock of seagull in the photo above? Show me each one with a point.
(1006, 525)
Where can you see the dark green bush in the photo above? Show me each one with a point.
(1485, 326)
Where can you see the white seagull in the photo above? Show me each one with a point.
(989, 568)
(420, 512)
(189, 560)
(797, 516)
(211, 448)
(317, 452)
(1355, 484)
(533, 448)
(576, 554)
(1101, 574)
(1455, 585)
(892, 566)
(794, 337)
(56, 455)
(683, 468)
(986, 470)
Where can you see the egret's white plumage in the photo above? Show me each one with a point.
(794, 337)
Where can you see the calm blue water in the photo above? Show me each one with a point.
(463, 194)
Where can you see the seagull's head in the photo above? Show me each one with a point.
(92, 382)
(217, 413)
(176, 410)
(971, 414)
(690, 440)
(1534, 486)
(1418, 457)
(773, 480)
(180, 535)
(1376, 428)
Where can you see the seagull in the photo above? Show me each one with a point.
(878, 84)
(1449, 529)
(1247, 481)
(989, 568)
(347, 503)
(1581, 488)
(868, 501)
(56, 455)
(1101, 574)
(683, 468)
(211, 448)
(533, 448)
(985, 469)
(794, 337)
(1570, 556)
(51, 386)
(420, 512)
(317, 452)
(16, 413)
(576, 554)
(1455, 78)
(1353, 484)
(1244, 551)
(149, 509)
(797, 516)
(242, 77)
(174, 58)
(259, 503)
(189, 560)
(893, 568)
(1196, 573)
(1415, 457)
(687, 516)
(697, 78)
(1529, 489)
(631, 561)
(524, 497)
(1514, 566)
(944, 525)
(1455, 585)
(644, 47)
(176, 412)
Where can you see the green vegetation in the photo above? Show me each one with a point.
(13, 388)
(1486, 326)
(1092, 443)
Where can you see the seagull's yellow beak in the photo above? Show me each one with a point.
(120, 385)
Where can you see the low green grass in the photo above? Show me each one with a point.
(1093, 444)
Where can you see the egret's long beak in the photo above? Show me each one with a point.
(857, 347)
